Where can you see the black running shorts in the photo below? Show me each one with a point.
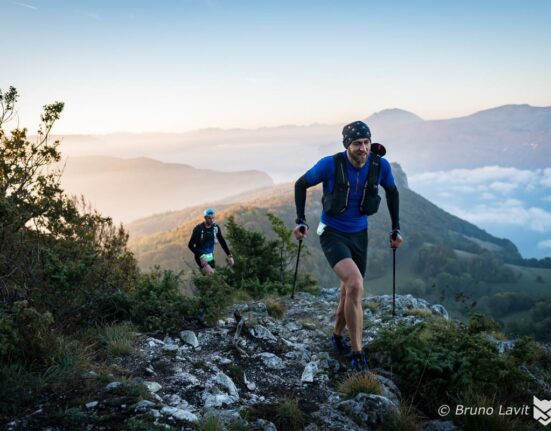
(198, 261)
(338, 245)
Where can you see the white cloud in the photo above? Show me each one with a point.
(497, 178)
(509, 213)
(545, 243)
(546, 177)
(513, 202)
(28, 6)
(492, 195)
(503, 187)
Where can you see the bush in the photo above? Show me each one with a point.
(55, 252)
(157, 301)
(26, 335)
(439, 361)
(213, 295)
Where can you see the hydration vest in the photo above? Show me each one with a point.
(336, 202)
(205, 238)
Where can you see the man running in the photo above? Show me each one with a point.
(350, 194)
(202, 241)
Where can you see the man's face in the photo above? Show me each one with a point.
(209, 219)
(358, 151)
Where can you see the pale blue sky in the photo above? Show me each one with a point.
(180, 65)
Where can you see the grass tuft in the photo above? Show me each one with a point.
(288, 415)
(118, 339)
(275, 308)
(210, 423)
(357, 383)
(404, 420)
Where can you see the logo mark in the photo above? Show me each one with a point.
(542, 411)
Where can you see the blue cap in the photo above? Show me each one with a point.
(208, 211)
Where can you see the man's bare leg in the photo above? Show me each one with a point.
(350, 276)
(340, 322)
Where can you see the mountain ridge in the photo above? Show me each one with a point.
(509, 135)
(421, 221)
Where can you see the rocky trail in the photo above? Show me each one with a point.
(240, 375)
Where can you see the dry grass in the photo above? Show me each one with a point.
(362, 382)
(275, 308)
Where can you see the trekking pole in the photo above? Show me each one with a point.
(296, 266)
(394, 236)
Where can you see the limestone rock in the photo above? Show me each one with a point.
(309, 372)
(190, 338)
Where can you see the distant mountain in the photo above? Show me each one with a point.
(128, 189)
(394, 117)
(510, 135)
(421, 221)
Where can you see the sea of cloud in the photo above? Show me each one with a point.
(508, 202)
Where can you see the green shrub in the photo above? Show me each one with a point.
(439, 361)
(157, 301)
(479, 323)
(19, 387)
(213, 295)
(490, 422)
(288, 415)
(26, 335)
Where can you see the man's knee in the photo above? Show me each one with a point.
(355, 288)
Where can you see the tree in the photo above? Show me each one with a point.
(53, 252)
(287, 247)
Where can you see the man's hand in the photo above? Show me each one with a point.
(300, 231)
(395, 239)
(229, 260)
(204, 262)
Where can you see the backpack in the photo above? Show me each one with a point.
(336, 202)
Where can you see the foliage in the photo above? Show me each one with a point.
(483, 267)
(480, 323)
(157, 301)
(287, 248)
(53, 252)
(210, 423)
(405, 420)
(213, 295)
(440, 361)
(26, 335)
(262, 266)
(63, 267)
(256, 258)
(489, 418)
(117, 339)
(288, 415)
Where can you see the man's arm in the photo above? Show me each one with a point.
(393, 203)
(300, 198)
(194, 240)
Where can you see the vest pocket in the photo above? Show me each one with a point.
(370, 205)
